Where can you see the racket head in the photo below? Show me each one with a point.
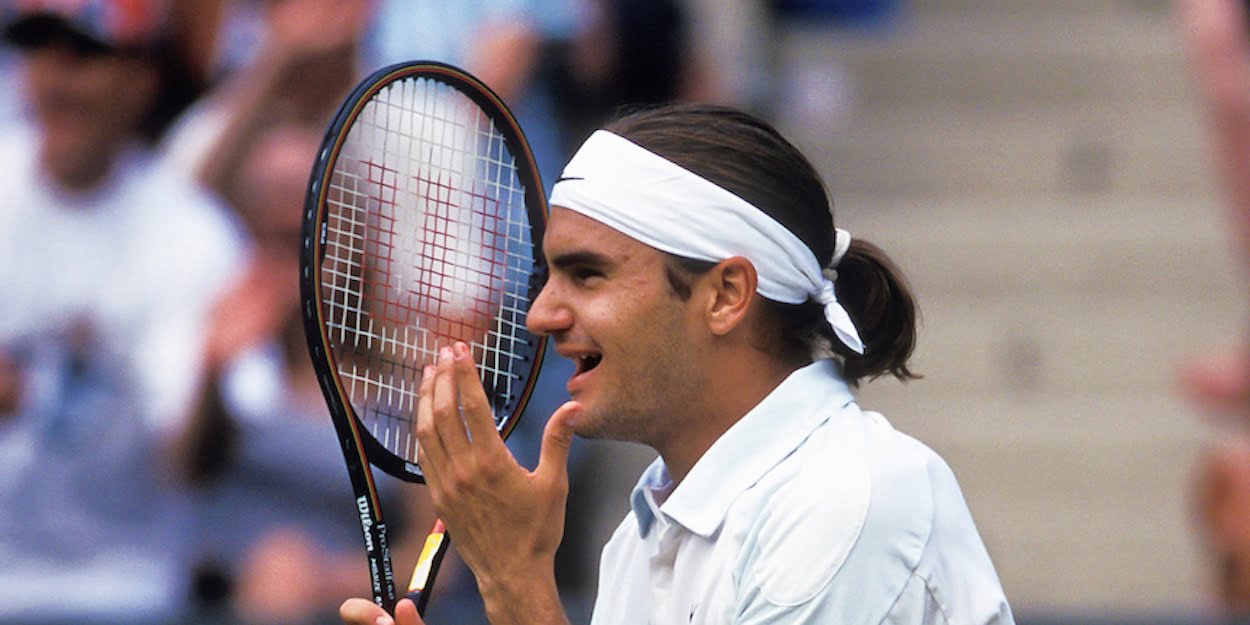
(423, 225)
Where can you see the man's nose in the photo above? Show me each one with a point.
(547, 315)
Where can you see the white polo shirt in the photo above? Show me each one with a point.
(808, 510)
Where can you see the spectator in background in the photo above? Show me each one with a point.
(842, 11)
(500, 42)
(277, 534)
(306, 63)
(276, 539)
(10, 106)
(108, 264)
(631, 53)
(1218, 35)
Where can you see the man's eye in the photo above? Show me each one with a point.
(582, 274)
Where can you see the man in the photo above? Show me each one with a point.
(685, 250)
(109, 263)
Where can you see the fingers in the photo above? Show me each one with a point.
(406, 613)
(478, 415)
(454, 416)
(364, 612)
(448, 422)
(430, 453)
(553, 460)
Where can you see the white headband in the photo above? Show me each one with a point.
(657, 202)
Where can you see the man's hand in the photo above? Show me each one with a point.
(506, 521)
(365, 612)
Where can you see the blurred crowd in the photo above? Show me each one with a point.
(165, 452)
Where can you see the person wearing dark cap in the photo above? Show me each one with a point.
(89, 81)
(109, 261)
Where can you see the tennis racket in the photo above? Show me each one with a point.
(422, 227)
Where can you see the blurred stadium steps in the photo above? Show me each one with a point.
(1039, 169)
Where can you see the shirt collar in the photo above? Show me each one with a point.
(761, 439)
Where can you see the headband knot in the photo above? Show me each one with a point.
(838, 318)
(670, 208)
(841, 243)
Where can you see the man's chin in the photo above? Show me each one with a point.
(599, 425)
(589, 423)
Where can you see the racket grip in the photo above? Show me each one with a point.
(436, 545)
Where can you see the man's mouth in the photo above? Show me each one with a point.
(586, 362)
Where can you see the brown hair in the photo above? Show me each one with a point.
(748, 157)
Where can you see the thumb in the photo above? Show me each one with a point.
(557, 438)
(363, 612)
(406, 613)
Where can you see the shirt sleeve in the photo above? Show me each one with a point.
(921, 603)
(917, 559)
(916, 605)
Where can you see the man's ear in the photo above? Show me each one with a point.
(730, 290)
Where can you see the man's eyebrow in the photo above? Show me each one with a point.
(579, 258)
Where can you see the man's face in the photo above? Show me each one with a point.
(85, 103)
(636, 346)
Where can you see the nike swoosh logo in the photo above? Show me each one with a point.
(563, 178)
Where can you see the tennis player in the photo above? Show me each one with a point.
(686, 248)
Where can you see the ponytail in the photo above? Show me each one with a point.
(876, 296)
(880, 302)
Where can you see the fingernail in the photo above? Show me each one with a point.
(444, 354)
(428, 371)
(462, 350)
(384, 620)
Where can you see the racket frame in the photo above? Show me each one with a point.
(360, 449)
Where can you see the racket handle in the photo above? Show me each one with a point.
(436, 545)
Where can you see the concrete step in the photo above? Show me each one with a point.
(965, 423)
(1079, 148)
(1108, 532)
(1132, 246)
(997, 58)
(1036, 347)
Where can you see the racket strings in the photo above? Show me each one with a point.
(427, 241)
